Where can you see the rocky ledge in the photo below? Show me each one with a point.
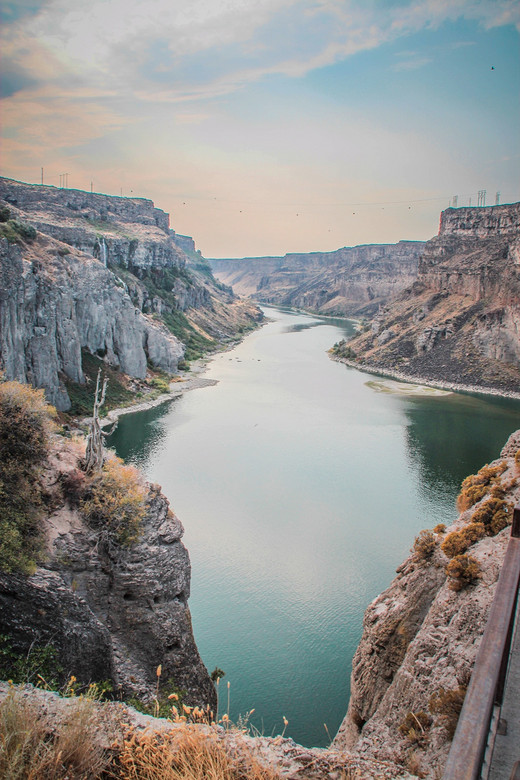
(111, 611)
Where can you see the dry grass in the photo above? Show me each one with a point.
(186, 753)
(30, 748)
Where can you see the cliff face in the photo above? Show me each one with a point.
(352, 280)
(103, 274)
(460, 321)
(420, 639)
(54, 304)
(111, 611)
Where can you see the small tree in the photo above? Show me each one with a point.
(94, 455)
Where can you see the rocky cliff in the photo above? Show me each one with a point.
(349, 281)
(111, 610)
(460, 321)
(83, 271)
(420, 637)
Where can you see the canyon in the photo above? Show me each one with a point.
(82, 271)
(351, 281)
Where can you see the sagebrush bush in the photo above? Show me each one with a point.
(458, 542)
(114, 502)
(424, 545)
(461, 571)
(26, 422)
(494, 514)
(477, 485)
(439, 528)
(447, 704)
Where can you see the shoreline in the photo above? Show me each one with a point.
(439, 384)
(177, 389)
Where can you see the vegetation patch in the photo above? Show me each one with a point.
(82, 396)
(462, 570)
(26, 422)
(476, 486)
(494, 514)
(416, 726)
(114, 502)
(424, 545)
(458, 542)
(15, 231)
(447, 704)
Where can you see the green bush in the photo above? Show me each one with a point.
(39, 666)
(15, 231)
(26, 422)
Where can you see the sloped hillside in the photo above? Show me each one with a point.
(460, 321)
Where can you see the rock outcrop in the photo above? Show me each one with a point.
(350, 281)
(103, 274)
(419, 643)
(460, 321)
(111, 611)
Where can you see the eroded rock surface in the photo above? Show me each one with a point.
(460, 320)
(111, 611)
(421, 637)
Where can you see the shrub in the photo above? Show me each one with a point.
(424, 545)
(114, 502)
(477, 485)
(25, 426)
(447, 704)
(415, 726)
(5, 214)
(40, 665)
(462, 570)
(494, 514)
(458, 542)
(14, 231)
(439, 528)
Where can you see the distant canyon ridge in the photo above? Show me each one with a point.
(447, 309)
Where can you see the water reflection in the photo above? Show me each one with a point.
(449, 437)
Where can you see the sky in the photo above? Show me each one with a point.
(268, 126)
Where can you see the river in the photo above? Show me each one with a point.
(301, 486)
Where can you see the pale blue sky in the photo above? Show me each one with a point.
(269, 126)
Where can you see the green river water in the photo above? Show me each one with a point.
(301, 487)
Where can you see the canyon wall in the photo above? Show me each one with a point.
(101, 274)
(112, 611)
(421, 636)
(460, 320)
(349, 281)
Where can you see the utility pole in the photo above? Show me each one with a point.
(42, 175)
(481, 198)
(455, 201)
(91, 187)
(497, 199)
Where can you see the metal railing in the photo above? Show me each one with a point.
(486, 688)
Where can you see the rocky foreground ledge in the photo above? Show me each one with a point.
(281, 757)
